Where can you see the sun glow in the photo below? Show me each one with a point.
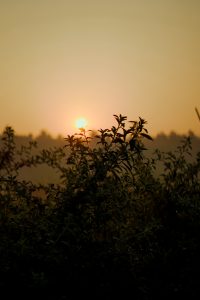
(81, 123)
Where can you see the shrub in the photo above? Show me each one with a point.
(110, 225)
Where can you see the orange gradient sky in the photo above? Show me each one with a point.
(65, 59)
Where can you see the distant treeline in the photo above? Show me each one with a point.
(170, 142)
(161, 141)
(44, 174)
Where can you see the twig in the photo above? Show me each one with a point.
(198, 115)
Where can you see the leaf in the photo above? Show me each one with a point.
(147, 136)
(132, 144)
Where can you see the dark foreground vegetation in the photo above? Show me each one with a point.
(111, 228)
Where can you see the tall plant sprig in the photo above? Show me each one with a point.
(117, 151)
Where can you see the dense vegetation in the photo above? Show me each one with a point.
(110, 227)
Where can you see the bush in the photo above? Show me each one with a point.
(111, 226)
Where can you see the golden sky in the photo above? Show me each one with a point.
(63, 59)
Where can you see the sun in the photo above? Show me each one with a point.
(81, 123)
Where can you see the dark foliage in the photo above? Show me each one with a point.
(109, 228)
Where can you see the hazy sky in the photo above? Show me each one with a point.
(60, 59)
